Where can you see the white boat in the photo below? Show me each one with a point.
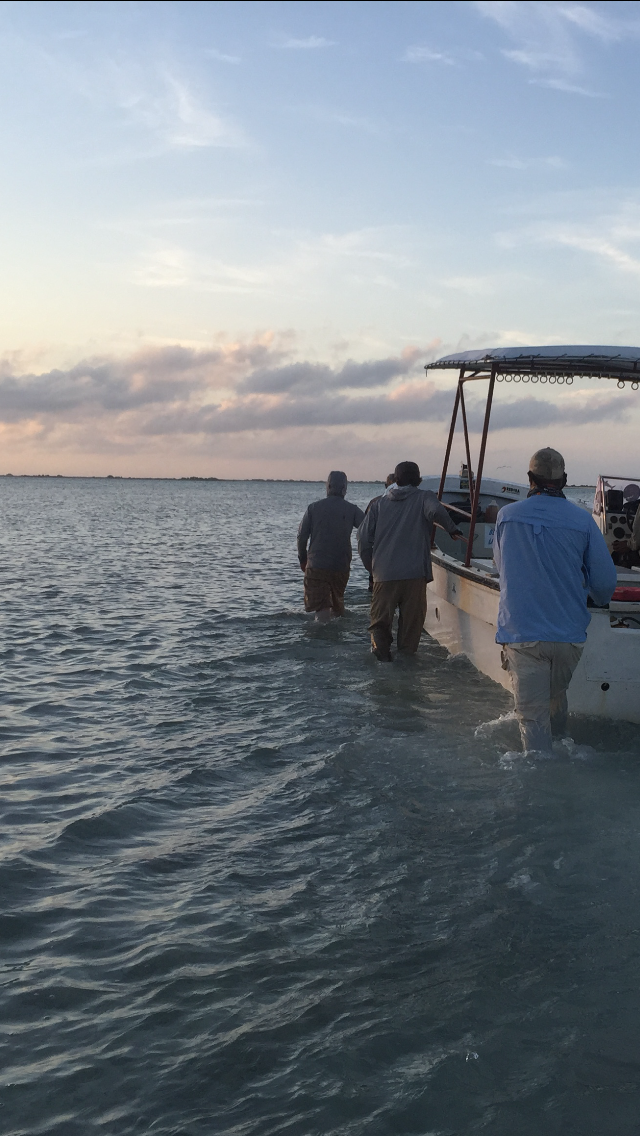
(464, 594)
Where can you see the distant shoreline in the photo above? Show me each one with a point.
(222, 480)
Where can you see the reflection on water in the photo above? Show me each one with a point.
(253, 882)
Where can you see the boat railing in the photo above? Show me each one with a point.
(455, 509)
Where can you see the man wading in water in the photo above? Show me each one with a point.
(394, 542)
(551, 556)
(326, 528)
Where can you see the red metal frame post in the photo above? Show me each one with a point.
(466, 440)
(483, 446)
(454, 417)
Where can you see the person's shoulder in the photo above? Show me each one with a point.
(570, 515)
(577, 513)
(429, 501)
(510, 511)
(557, 511)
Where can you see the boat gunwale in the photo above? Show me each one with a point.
(444, 560)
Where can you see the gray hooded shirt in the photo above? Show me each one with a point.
(394, 540)
(326, 527)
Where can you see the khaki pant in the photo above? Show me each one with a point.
(324, 590)
(410, 596)
(540, 674)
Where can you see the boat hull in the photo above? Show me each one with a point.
(462, 615)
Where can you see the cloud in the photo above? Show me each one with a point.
(471, 285)
(258, 388)
(600, 247)
(530, 412)
(309, 43)
(571, 88)
(343, 118)
(167, 106)
(220, 388)
(221, 57)
(149, 93)
(311, 377)
(105, 386)
(418, 53)
(549, 38)
(595, 23)
(418, 402)
(171, 266)
(613, 238)
(553, 163)
(361, 257)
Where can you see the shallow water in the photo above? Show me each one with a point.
(255, 882)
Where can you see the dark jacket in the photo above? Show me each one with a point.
(394, 540)
(326, 527)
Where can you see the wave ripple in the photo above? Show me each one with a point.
(253, 883)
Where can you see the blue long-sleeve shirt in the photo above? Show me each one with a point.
(550, 555)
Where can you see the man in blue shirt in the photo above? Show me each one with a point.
(551, 556)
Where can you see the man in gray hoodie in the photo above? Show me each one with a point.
(326, 528)
(394, 542)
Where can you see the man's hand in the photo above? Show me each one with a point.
(303, 565)
(458, 535)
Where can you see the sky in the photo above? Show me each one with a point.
(234, 233)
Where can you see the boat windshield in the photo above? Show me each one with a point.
(616, 494)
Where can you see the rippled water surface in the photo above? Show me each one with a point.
(254, 882)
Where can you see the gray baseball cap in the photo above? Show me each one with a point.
(547, 464)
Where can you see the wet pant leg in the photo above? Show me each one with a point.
(412, 601)
(410, 596)
(565, 659)
(540, 674)
(338, 583)
(383, 605)
(324, 590)
(530, 672)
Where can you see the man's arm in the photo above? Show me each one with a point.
(304, 532)
(600, 571)
(358, 517)
(367, 534)
(436, 513)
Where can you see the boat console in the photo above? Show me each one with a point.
(615, 506)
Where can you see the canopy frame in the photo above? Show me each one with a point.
(474, 483)
(530, 366)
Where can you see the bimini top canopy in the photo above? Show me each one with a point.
(559, 364)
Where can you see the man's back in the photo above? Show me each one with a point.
(398, 531)
(327, 524)
(551, 556)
